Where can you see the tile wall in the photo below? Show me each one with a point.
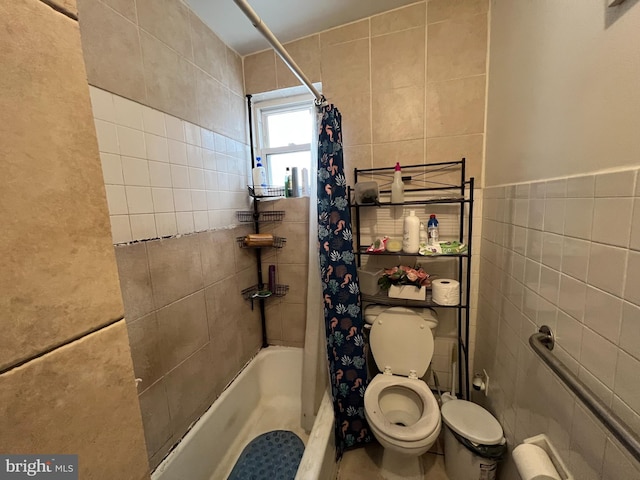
(410, 84)
(188, 340)
(563, 253)
(66, 379)
(160, 54)
(165, 176)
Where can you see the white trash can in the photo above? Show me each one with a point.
(473, 441)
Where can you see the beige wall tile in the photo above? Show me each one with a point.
(306, 53)
(135, 280)
(397, 60)
(408, 152)
(399, 19)
(260, 72)
(147, 356)
(274, 323)
(296, 277)
(234, 75)
(182, 329)
(80, 398)
(236, 122)
(441, 10)
(175, 268)
(213, 102)
(452, 149)
(59, 273)
(126, 8)
(296, 209)
(356, 117)
(167, 20)
(190, 389)
(111, 51)
(346, 33)
(217, 263)
(398, 114)
(296, 250)
(209, 52)
(457, 48)
(359, 156)
(155, 418)
(293, 324)
(170, 79)
(345, 69)
(220, 310)
(456, 107)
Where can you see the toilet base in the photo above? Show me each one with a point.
(397, 466)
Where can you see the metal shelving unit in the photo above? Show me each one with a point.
(259, 292)
(437, 184)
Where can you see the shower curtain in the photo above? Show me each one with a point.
(340, 288)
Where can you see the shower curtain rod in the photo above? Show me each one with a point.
(280, 50)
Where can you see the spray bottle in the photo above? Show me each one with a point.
(397, 187)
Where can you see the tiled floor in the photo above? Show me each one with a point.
(362, 464)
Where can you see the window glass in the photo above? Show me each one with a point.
(279, 162)
(288, 128)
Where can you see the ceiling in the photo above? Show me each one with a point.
(287, 19)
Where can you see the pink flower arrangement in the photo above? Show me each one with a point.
(403, 275)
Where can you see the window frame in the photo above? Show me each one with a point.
(263, 109)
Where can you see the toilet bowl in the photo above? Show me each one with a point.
(402, 411)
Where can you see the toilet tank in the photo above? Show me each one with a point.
(371, 312)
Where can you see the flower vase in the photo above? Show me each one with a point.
(408, 292)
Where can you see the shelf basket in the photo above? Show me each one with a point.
(247, 216)
(255, 292)
(266, 191)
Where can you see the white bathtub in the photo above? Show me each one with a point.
(265, 396)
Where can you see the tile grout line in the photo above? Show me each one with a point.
(60, 345)
(58, 8)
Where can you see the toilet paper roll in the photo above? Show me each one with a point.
(533, 463)
(445, 291)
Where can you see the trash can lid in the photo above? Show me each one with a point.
(472, 422)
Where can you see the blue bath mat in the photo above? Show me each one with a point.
(271, 456)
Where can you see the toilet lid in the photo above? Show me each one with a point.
(401, 339)
(472, 422)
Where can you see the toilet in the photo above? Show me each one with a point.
(402, 412)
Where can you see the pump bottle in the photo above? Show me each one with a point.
(411, 233)
(259, 178)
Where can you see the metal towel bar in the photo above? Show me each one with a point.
(542, 343)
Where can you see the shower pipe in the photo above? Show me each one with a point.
(542, 344)
(280, 50)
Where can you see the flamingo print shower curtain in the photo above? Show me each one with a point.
(342, 312)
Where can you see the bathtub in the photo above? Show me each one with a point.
(264, 396)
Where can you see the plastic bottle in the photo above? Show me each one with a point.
(287, 183)
(432, 229)
(397, 187)
(259, 178)
(411, 236)
(423, 234)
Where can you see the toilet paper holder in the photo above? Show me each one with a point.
(545, 444)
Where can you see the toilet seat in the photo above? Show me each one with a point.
(424, 427)
(401, 341)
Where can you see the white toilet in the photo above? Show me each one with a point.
(402, 412)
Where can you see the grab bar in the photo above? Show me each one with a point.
(542, 343)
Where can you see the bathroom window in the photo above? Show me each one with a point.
(284, 129)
